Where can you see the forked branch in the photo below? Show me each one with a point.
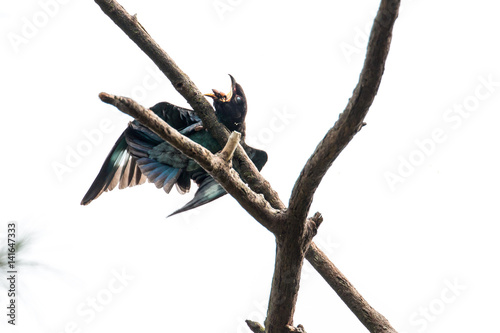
(269, 211)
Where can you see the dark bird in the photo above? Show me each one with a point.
(140, 154)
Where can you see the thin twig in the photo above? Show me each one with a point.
(255, 326)
(227, 153)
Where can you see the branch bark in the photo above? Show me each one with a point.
(351, 120)
(291, 246)
(285, 285)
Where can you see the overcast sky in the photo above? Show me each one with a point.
(410, 206)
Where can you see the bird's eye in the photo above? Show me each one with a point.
(239, 100)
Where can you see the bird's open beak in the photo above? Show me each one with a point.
(218, 95)
(211, 95)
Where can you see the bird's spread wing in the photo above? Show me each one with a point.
(159, 161)
(165, 166)
(124, 169)
(140, 154)
(118, 168)
(177, 117)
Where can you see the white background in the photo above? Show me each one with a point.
(424, 251)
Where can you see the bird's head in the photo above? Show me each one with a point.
(231, 109)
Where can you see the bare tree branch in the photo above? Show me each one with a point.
(293, 232)
(351, 120)
(291, 246)
(215, 165)
(183, 84)
(373, 320)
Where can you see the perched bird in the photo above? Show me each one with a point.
(140, 154)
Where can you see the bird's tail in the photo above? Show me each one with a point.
(208, 191)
